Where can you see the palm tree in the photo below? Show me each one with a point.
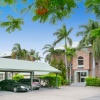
(24, 54)
(96, 45)
(93, 6)
(17, 51)
(96, 51)
(37, 57)
(70, 53)
(87, 39)
(86, 33)
(51, 53)
(63, 34)
(32, 55)
(49, 49)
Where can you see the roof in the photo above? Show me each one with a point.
(5, 54)
(15, 65)
(85, 50)
(62, 47)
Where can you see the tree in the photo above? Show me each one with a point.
(37, 57)
(86, 33)
(93, 6)
(61, 66)
(70, 52)
(96, 45)
(53, 10)
(49, 49)
(96, 52)
(44, 10)
(41, 10)
(32, 55)
(18, 53)
(51, 52)
(12, 24)
(88, 39)
(63, 34)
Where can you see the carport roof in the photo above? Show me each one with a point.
(14, 65)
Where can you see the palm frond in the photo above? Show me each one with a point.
(69, 40)
(69, 31)
(12, 24)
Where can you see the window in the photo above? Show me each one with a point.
(80, 61)
(83, 74)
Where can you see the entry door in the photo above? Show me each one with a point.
(80, 76)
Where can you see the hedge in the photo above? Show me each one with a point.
(18, 77)
(92, 81)
(51, 78)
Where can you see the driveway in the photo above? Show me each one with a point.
(63, 93)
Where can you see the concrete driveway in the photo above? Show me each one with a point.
(64, 93)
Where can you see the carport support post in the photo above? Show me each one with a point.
(6, 75)
(56, 80)
(31, 77)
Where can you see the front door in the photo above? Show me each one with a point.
(80, 76)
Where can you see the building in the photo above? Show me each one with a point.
(83, 64)
(2, 74)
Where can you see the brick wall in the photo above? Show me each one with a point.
(86, 60)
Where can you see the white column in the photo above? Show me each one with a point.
(75, 76)
(93, 67)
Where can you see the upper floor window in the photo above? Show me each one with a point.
(80, 61)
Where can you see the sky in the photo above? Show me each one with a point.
(35, 35)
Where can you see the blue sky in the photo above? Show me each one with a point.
(35, 35)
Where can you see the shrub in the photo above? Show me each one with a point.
(92, 81)
(51, 79)
(18, 77)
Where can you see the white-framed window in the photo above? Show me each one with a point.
(80, 61)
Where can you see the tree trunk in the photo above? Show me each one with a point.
(66, 67)
(66, 61)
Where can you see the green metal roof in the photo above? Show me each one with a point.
(25, 66)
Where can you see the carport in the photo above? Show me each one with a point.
(14, 65)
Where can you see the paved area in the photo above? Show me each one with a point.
(63, 93)
(79, 84)
(93, 98)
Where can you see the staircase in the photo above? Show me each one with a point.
(80, 84)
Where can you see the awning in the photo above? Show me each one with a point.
(14, 65)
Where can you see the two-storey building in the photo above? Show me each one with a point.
(84, 66)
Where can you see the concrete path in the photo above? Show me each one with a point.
(64, 93)
(79, 84)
